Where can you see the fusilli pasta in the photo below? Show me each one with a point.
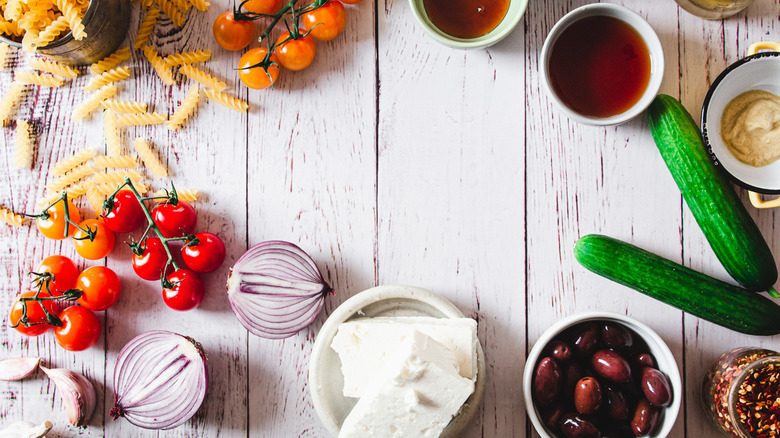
(184, 110)
(23, 153)
(145, 28)
(201, 5)
(140, 119)
(44, 80)
(159, 65)
(188, 57)
(182, 5)
(171, 11)
(96, 199)
(123, 106)
(110, 131)
(70, 11)
(53, 67)
(107, 77)
(227, 101)
(69, 163)
(93, 102)
(106, 189)
(52, 31)
(183, 194)
(149, 157)
(10, 99)
(116, 176)
(11, 218)
(201, 76)
(110, 61)
(70, 178)
(121, 161)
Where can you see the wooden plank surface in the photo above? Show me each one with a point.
(392, 159)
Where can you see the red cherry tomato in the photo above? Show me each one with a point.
(97, 248)
(100, 287)
(64, 271)
(256, 77)
(187, 290)
(205, 256)
(327, 21)
(263, 6)
(296, 54)
(174, 220)
(232, 34)
(126, 215)
(80, 329)
(35, 314)
(150, 264)
(53, 227)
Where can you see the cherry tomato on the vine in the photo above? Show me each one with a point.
(205, 256)
(295, 54)
(80, 329)
(174, 220)
(126, 215)
(100, 287)
(97, 248)
(150, 264)
(54, 226)
(232, 34)
(256, 77)
(64, 271)
(263, 6)
(327, 21)
(35, 314)
(187, 290)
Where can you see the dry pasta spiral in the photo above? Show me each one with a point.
(184, 110)
(110, 61)
(113, 143)
(183, 194)
(121, 161)
(23, 152)
(71, 13)
(116, 176)
(109, 188)
(123, 106)
(93, 102)
(69, 163)
(227, 101)
(52, 31)
(54, 68)
(96, 199)
(10, 99)
(11, 218)
(140, 119)
(44, 80)
(159, 65)
(107, 77)
(70, 178)
(8, 27)
(188, 57)
(201, 5)
(201, 76)
(182, 5)
(145, 28)
(173, 12)
(149, 157)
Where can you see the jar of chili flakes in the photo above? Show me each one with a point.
(741, 393)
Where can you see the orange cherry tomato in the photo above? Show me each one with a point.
(64, 271)
(295, 54)
(263, 6)
(35, 314)
(256, 77)
(80, 329)
(232, 34)
(100, 287)
(351, 2)
(54, 226)
(327, 21)
(97, 248)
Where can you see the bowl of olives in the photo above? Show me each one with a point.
(601, 375)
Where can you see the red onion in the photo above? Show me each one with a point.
(160, 380)
(276, 290)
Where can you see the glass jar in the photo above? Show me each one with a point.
(714, 9)
(741, 393)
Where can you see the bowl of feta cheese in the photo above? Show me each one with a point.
(397, 361)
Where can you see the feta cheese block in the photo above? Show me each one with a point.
(365, 344)
(414, 394)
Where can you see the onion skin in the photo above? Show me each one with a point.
(160, 380)
(276, 289)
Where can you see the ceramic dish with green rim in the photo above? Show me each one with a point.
(513, 16)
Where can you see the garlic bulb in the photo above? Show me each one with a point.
(25, 429)
(78, 394)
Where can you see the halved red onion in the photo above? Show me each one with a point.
(276, 290)
(160, 380)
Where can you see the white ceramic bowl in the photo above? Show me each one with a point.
(663, 357)
(325, 379)
(639, 24)
(757, 72)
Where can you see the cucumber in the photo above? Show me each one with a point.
(731, 232)
(693, 292)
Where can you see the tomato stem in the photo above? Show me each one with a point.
(43, 280)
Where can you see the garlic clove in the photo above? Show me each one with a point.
(25, 429)
(78, 394)
(18, 368)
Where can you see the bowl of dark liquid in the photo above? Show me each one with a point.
(602, 64)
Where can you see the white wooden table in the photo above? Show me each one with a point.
(392, 159)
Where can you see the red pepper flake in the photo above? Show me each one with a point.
(758, 408)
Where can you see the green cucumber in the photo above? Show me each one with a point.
(693, 292)
(731, 232)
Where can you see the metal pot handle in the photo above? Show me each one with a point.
(755, 198)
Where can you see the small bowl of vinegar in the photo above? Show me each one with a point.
(468, 24)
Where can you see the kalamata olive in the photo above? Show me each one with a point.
(644, 360)
(575, 426)
(617, 403)
(587, 396)
(560, 351)
(571, 376)
(656, 387)
(611, 365)
(616, 336)
(548, 382)
(645, 418)
(585, 338)
(552, 417)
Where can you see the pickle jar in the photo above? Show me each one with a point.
(741, 393)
